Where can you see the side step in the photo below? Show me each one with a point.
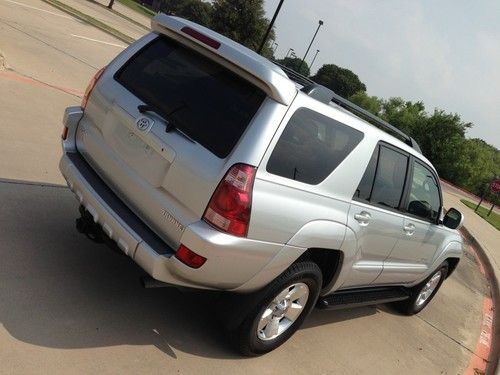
(345, 299)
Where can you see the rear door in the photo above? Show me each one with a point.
(374, 213)
(160, 128)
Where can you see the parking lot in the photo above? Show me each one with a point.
(69, 305)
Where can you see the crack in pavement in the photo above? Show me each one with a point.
(448, 336)
(48, 44)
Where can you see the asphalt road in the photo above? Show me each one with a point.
(69, 305)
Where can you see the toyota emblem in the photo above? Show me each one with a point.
(144, 123)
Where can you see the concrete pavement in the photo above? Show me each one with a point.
(486, 234)
(67, 304)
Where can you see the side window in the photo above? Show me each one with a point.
(390, 178)
(311, 147)
(364, 189)
(424, 198)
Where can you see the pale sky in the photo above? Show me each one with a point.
(445, 53)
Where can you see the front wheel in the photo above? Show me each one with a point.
(423, 293)
(279, 309)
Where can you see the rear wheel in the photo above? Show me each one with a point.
(277, 312)
(423, 293)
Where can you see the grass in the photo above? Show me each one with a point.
(120, 14)
(91, 20)
(493, 219)
(138, 7)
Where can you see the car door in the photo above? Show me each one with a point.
(415, 250)
(374, 213)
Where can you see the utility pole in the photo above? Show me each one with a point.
(289, 50)
(310, 44)
(314, 58)
(270, 27)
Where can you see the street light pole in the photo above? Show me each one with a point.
(275, 47)
(314, 58)
(270, 27)
(289, 50)
(310, 44)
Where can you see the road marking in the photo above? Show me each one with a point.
(99, 41)
(39, 9)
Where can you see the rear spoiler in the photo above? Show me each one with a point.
(243, 61)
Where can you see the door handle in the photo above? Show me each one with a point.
(409, 229)
(363, 218)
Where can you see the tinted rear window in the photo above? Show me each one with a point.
(311, 147)
(390, 178)
(204, 100)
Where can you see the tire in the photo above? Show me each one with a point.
(292, 295)
(423, 293)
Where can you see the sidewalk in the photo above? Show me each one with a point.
(482, 231)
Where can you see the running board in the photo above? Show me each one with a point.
(345, 299)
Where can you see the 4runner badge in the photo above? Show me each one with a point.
(144, 123)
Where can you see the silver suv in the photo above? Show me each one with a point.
(214, 168)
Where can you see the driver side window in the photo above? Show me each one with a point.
(424, 200)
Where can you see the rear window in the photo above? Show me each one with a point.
(201, 98)
(311, 147)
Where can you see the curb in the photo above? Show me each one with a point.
(90, 20)
(494, 355)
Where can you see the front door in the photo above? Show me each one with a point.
(415, 251)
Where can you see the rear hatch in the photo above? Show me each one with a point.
(160, 127)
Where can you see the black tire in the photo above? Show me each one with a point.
(246, 335)
(411, 306)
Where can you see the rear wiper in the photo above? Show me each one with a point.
(169, 124)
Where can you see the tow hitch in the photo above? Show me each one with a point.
(86, 225)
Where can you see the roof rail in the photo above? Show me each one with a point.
(325, 95)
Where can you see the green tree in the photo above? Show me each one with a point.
(243, 21)
(294, 63)
(405, 115)
(372, 104)
(194, 10)
(343, 81)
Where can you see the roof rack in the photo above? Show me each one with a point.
(325, 95)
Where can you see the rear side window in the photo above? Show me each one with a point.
(311, 147)
(364, 189)
(390, 178)
(204, 100)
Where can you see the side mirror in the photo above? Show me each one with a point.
(453, 219)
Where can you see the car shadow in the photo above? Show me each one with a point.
(60, 290)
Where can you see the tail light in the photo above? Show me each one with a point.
(189, 257)
(91, 86)
(230, 206)
(64, 134)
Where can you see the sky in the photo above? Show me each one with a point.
(445, 53)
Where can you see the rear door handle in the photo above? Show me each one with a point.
(363, 218)
(409, 229)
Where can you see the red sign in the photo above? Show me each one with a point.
(495, 186)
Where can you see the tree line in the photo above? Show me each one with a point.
(468, 163)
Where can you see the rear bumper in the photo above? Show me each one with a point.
(231, 261)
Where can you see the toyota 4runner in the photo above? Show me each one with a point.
(214, 168)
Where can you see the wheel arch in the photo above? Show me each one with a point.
(329, 262)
